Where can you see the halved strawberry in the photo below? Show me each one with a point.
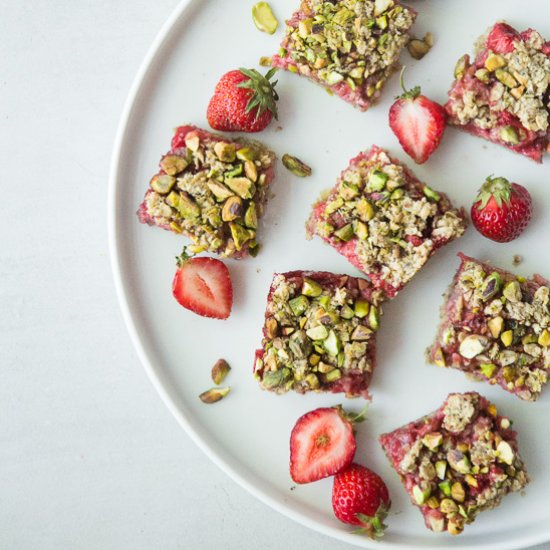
(418, 123)
(322, 443)
(203, 285)
(501, 38)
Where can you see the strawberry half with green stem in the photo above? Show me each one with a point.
(203, 286)
(243, 101)
(502, 210)
(360, 497)
(322, 443)
(418, 123)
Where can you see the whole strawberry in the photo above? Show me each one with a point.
(501, 210)
(360, 497)
(418, 123)
(243, 101)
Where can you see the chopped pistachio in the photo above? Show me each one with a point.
(512, 292)
(242, 186)
(232, 209)
(312, 381)
(491, 286)
(470, 480)
(455, 526)
(509, 135)
(458, 461)
(162, 184)
(380, 6)
(220, 191)
(296, 166)
(332, 344)
(506, 78)
(431, 194)
(187, 207)
(505, 453)
(346, 312)
(457, 491)
(472, 346)
(483, 75)
(461, 66)
(333, 375)
(225, 151)
(247, 153)
(445, 487)
(506, 337)
(432, 440)
(250, 170)
(448, 506)
(298, 305)
(488, 369)
(374, 318)
(213, 395)
(494, 62)
(240, 234)
(439, 358)
(317, 333)
(420, 495)
(441, 468)
(345, 233)
(361, 230)
(250, 217)
(173, 164)
(220, 370)
(263, 18)
(360, 333)
(364, 209)
(271, 327)
(496, 324)
(361, 308)
(377, 180)
(544, 339)
(311, 288)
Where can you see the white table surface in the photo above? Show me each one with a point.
(89, 455)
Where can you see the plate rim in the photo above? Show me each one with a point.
(130, 320)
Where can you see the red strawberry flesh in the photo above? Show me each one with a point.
(501, 38)
(321, 444)
(203, 286)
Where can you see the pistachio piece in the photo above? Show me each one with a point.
(240, 234)
(312, 381)
(457, 492)
(317, 333)
(496, 324)
(364, 209)
(455, 525)
(494, 62)
(518, 92)
(296, 166)
(173, 164)
(162, 184)
(250, 171)
(461, 65)
(505, 453)
(506, 337)
(334, 205)
(263, 18)
(420, 495)
(512, 292)
(348, 191)
(437, 524)
(213, 395)
(458, 461)
(332, 344)
(271, 327)
(431, 194)
(491, 286)
(445, 487)
(250, 217)
(311, 288)
(360, 333)
(298, 305)
(448, 506)
(506, 78)
(380, 6)
(509, 135)
(441, 468)
(377, 181)
(438, 358)
(432, 440)
(544, 339)
(473, 345)
(483, 75)
(346, 312)
(488, 369)
(225, 151)
(361, 308)
(345, 233)
(433, 503)
(192, 141)
(470, 480)
(374, 318)
(333, 375)
(242, 186)
(275, 378)
(418, 48)
(187, 207)
(333, 77)
(219, 190)
(361, 230)
(220, 370)
(247, 153)
(232, 209)
(305, 26)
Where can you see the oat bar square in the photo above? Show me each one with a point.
(384, 220)
(496, 327)
(212, 189)
(350, 47)
(457, 461)
(319, 334)
(502, 94)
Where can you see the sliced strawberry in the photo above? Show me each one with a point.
(501, 38)
(418, 123)
(203, 286)
(322, 444)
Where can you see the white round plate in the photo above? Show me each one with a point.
(247, 433)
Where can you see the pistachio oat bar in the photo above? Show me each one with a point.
(319, 334)
(496, 327)
(350, 47)
(385, 221)
(457, 461)
(212, 189)
(502, 95)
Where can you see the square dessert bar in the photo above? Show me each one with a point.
(385, 221)
(496, 327)
(502, 95)
(457, 461)
(350, 47)
(212, 189)
(319, 334)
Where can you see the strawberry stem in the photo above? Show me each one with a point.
(183, 257)
(413, 93)
(264, 96)
(498, 188)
